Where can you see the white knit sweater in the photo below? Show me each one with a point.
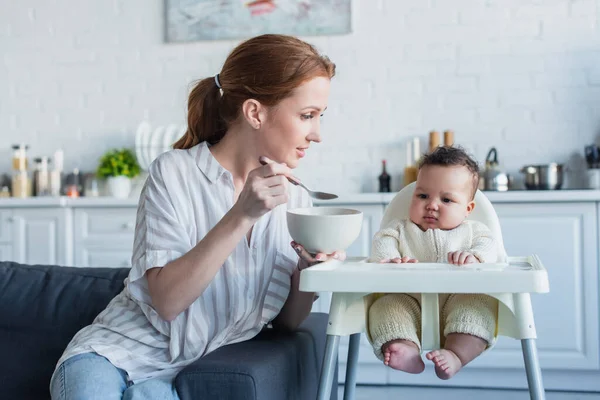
(404, 238)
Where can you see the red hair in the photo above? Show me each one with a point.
(266, 68)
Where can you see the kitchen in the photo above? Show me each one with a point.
(521, 77)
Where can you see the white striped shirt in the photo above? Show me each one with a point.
(187, 192)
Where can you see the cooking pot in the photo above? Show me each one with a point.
(543, 177)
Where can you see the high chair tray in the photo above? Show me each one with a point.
(356, 275)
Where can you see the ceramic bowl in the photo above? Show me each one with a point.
(324, 229)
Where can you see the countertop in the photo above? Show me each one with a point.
(513, 196)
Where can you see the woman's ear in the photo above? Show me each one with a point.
(254, 113)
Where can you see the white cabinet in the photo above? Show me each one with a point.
(36, 236)
(104, 236)
(564, 236)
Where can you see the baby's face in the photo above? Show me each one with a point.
(442, 198)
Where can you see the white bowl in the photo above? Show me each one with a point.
(324, 229)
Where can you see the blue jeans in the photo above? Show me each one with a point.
(90, 376)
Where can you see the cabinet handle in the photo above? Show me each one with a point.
(128, 226)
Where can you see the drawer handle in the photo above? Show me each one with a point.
(128, 226)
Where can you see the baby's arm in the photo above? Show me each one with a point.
(385, 244)
(484, 246)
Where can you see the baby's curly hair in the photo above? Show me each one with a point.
(449, 156)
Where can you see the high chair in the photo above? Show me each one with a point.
(352, 280)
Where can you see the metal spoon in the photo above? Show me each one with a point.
(312, 193)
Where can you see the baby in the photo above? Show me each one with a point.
(438, 232)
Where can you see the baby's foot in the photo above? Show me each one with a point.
(403, 355)
(447, 364)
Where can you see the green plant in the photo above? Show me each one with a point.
(118, 162)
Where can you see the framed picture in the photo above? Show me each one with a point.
(192, 20)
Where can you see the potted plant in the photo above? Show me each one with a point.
(118, 166)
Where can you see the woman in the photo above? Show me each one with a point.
(212, 262)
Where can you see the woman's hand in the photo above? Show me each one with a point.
(266, 187)
(308, 260)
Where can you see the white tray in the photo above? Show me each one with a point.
(355, 275)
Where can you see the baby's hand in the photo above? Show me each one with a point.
(461, 258)
(399, 260)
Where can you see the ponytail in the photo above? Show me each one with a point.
(205, 123)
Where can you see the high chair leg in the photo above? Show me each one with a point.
(327, 371)
(351, 366)
(532, 367)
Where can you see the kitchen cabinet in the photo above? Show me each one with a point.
(104, 236)
(36, 236)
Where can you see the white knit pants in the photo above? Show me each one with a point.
(398, 316)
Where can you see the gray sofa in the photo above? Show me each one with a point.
(42, 307)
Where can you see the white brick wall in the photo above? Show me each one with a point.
(521, 75)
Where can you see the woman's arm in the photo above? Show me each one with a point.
(298, 304)
(179, 283)
(175, 286)
(296, 307)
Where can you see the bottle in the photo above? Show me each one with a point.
(448, 138)
(434, 141)
(41, 177)
(384, 179)
(56, 175)
(413, 154)
(72, 184)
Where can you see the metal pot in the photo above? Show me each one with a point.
(492, 177)
(543, 177)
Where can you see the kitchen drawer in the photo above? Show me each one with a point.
(103, 257)
(6, 226)
(99, 225)
(6, 252)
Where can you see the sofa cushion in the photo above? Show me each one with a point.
(272, 366)
(42, 307)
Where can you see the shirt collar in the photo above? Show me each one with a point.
(208, 164)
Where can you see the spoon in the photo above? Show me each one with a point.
(312, 193)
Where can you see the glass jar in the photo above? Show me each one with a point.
(41, 178)
(21, 184)
(73, 184)
(19, 158)
(91, 186)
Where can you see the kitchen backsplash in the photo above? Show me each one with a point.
(520, 75)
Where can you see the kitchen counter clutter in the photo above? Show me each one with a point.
(562, 227)
(511, 196)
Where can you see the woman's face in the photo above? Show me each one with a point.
(294, 123)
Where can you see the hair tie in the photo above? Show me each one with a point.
(218, 82)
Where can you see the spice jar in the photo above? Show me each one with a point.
(19, 158)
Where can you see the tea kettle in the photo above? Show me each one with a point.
(492, 178)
